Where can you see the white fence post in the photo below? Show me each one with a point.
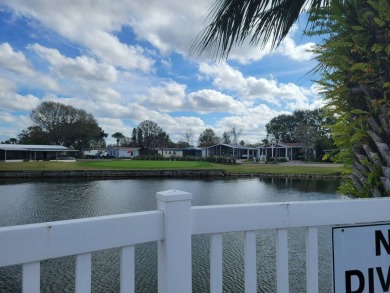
(174, 251)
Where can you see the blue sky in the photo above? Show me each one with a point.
(127, 61)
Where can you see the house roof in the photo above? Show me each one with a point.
(234, 146)
(169, 149)
(123, 148)
(27, 147)
(193, 148)
(284, 144)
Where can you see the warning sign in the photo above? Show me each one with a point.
(361, 258)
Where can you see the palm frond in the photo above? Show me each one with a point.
(233, 21)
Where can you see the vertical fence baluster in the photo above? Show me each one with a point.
(282, 261)
(250, 262)
(127, 269)
(83, 273)
(312, 259)
(31, 277)
(216, 263)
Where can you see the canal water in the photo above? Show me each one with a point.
(24, 202)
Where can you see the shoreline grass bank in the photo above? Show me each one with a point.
(128, 168)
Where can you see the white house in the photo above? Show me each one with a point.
(98, 152)
(170, 152)
(232, 150)
(289, 151)
(123, 152)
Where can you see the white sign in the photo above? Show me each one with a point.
(361, 259)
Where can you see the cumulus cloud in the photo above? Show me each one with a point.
(91, 24)
(14, 61)
(252, 123)
(81, 67)
(296, 52)
(251, 88)
(12, 101)
(11, 124)
(7, 117)
(208, 101)
(22, 71)
(110, 126)
(167, 98)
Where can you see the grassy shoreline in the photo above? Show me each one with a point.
(245, 168)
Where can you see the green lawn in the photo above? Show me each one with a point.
(172, 165)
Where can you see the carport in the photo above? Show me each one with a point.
(235, 151)
(22, 152)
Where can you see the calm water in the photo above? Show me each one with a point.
(42, 201)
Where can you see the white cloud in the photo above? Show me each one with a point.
(14, 61)
(177, 126)
(169, 25)
(167, 98)
(208, 101)
(81, 67)
(109, 48)
(11, 125)
(21, 69)
(223, 75)
(7, 117)
(105, 94)
(90, 24)
(252, 123)
(110, 126)
(251, 88)
(11, 101)
(296, 52)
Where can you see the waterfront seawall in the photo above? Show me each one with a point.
(214, 173)
(111, 173)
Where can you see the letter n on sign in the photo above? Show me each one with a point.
(361, 258)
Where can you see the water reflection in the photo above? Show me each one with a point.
(23, 202)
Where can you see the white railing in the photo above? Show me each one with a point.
(172, 226)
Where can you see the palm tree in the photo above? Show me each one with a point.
(118, 136)
(354, 60)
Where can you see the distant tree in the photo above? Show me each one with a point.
(66, 125)
(152, 135)
(235, 134)
(189, 136)
(182, 144)
(140, 137)
(208, 138)
(10, 141)
(242, 142)
(100, 143)
(275, 130)
(286, 124)
(288, 128)
(118, 136)
(306, 136)
(34, 135)
(226, 138)
(134, 137)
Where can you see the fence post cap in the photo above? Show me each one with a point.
(173, 195)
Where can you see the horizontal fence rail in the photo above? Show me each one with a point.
(172, 226)
(71, 237)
